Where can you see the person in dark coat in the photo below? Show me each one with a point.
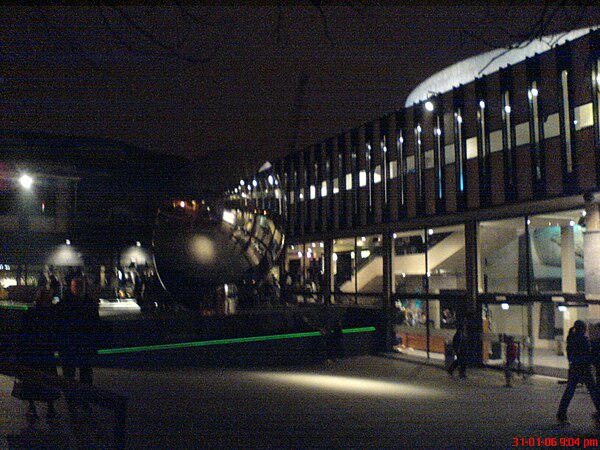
(80, 323)
(35, 349)
(460, 346)
(580, 370)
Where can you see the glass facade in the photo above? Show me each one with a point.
(483, 203)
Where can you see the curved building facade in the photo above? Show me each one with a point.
(478, 200)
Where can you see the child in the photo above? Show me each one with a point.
(513, 359)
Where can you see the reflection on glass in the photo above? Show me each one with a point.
(304, 278)
(446, 259)
(502, 256)
(369, 265)
(343, 265)
(408, 262)
(556, 246)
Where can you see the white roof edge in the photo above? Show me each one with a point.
(474, 67)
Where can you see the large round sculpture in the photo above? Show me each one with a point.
(201, 244)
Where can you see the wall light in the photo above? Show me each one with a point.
(504, 306)
(429, 105)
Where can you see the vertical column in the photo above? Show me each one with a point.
(388, 307)
(363, 191)
(567, 260)
(328, 275)
(472, 307)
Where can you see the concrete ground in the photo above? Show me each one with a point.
(360, 402)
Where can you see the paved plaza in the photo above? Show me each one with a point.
(359, 402)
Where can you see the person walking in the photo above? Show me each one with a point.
(460, 348)
(580, 370)
(513, 360)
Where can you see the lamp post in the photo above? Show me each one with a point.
(26, 182)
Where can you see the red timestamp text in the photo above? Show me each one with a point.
(555, 442)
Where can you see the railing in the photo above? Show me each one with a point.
(72, 389)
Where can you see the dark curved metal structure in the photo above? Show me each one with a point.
(201, 243)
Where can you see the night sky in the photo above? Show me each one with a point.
(219, 85)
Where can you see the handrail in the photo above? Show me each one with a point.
(91, 394)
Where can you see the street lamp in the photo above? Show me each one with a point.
(26, 181)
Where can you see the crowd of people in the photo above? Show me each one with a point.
(63, 321)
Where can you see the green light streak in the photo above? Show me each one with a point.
(146, 348)
(17, 307)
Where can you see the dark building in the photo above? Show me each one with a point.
(478, 199)
(69, 201)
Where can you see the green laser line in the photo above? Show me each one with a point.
(18, 307)
(146, 348)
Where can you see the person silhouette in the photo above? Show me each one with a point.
(580, 370)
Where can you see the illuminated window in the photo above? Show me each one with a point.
(377, 175)
(324, 189)
(393, 169)
(362, 178)
(336, 186)
(313, 192)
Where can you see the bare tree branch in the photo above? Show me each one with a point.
(317, 4)
(152, 38)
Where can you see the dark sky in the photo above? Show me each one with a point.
(113, 73)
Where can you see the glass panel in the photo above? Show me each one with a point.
(429, 159)
(472, 148)
(557, 252)
(584, 116)
(408, 262)
(502, 256)
(501, 321)
(342, 266)
(362, 178)
(522, 133)
(324, 189)
(496, 141)
(377, 175)
(449, 154)
(446, 260)
(314, 271)
(552, 126)
(393, 169)
(369, 265)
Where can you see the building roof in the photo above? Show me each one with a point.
(477, 66)
(72, 155)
